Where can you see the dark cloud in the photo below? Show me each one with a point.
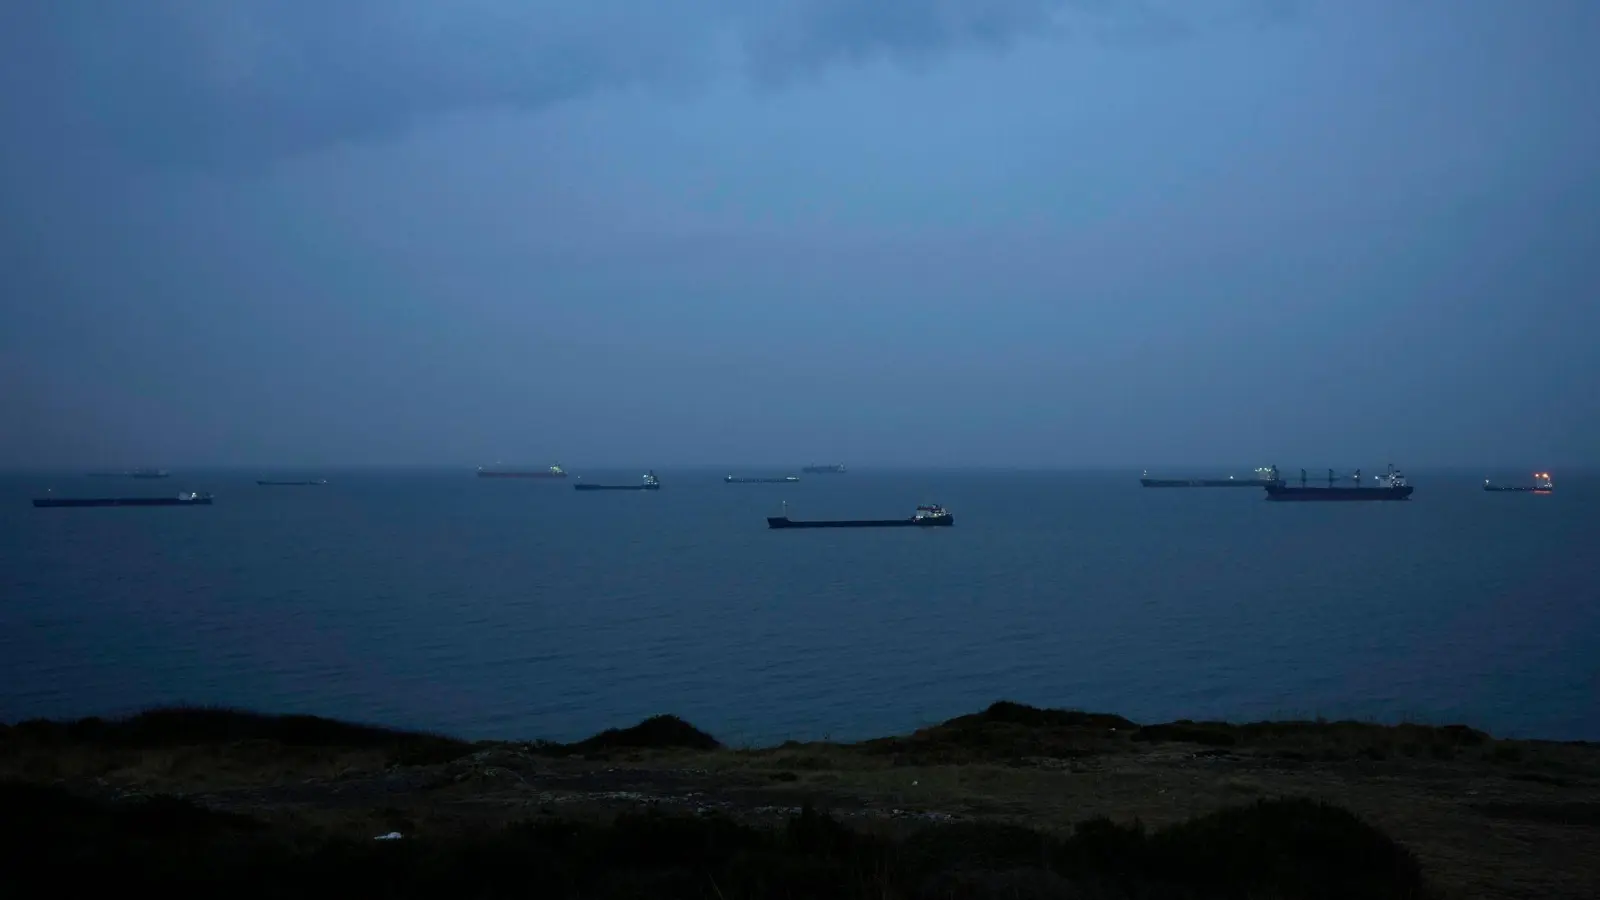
(205, 83)
(191, 82)
(811, 34)
(808, 35)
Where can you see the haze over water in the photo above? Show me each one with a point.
(489, 608)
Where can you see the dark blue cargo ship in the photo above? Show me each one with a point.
(186, 499)
(650, 483)
(1392, 486)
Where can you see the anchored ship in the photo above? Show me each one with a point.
(650, 483)
(1541, 485)
(133, 473)
(1391, 486)
(774, 479)
(831, 469)
(926, 517)
(1264, 476)
(291, 483)
(552, 472)
(191, 498)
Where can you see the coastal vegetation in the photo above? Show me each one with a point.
(1013, 801)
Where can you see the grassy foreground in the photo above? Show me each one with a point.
(1012, 802)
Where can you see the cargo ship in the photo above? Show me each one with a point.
(926, 517)
(773, 479)
(133, 473)
(1264, 476)
(1391, 486)
(650, 483)
(291, 483)
(186, 499)
(833, 469)
(552, 472)
(1541, 485)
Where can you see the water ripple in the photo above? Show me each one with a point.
(495, 609)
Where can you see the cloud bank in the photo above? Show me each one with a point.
(197, 83)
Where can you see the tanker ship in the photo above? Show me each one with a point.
(552, 472)
(1262, 476)
(926, 517)
(1541, 485)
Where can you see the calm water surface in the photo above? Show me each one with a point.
(507, 608)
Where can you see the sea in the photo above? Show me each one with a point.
(493, 608)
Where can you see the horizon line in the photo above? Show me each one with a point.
(763, 467)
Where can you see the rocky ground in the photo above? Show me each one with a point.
(1485, 817)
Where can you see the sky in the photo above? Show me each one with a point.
(919, 232)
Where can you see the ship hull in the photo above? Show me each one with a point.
(44, 502)
(732, 480)
(522, 474)
(1522, 489)
(1204, 482)
(925, 522)
(289, 483)
(1312, 494)
(823, 470)
(616, 487)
